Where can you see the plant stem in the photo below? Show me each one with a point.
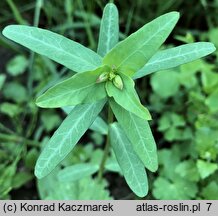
(15, 138)
(38, 7)
(7, 130)
(87, 25)
(107, 145)
(16, 13)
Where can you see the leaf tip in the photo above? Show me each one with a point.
(148, 116)
(7, 30)
(38, 174)
(213, 48)
(110, 4)
(40, 102)
(175, 13)
(154, 168)
(141, 195)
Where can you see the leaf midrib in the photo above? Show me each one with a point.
(140, 136)
(174, 56)
(67, 92)
(65, 137)
(77, 171)
(140, 110)
(154, 35)
(138, 183)
(108, 38)
(61, 50)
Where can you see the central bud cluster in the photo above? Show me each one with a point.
(111, 76)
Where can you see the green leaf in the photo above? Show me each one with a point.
(169, 159)
(15, 91)
(206, 168)
(210, 192)
(21, 179)
(165, 84)
(205, 141)
(132, 53)
(96, 156)
(7, 174)
(179, 189)
(56, 47)
(84, 189)
(99, 125)
(174, 57)
(97, 138)
(188, 170)
(169, 120)
(2, 80)
(10, 109)
(92, 189)
(131, 166)
(31, 158)
(187, 74)
(80, 88)
(209, 80)
(17, 65)
(212, 101)
(140, 135)
(66, 137)
(50, 120)
(127, 97)
(109, 30)
(213, 36)
(112, 165)
(76, 172)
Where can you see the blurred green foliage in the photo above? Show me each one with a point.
(183, 101)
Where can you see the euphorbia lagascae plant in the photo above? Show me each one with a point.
(106, 76)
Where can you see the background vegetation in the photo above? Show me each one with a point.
(183, 102)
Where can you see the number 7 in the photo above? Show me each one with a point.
(209, 204)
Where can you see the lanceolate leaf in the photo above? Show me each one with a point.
(174, 57)
(80, 88)
(66, 137)
(132, 53)
(127, 97)
(56, 47)
(76, 172)
(112, 165)
(131, 166)
(140, 135)
(109, 30)
(99, 125)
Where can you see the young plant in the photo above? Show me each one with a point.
(106, 76)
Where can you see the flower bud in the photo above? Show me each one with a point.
(102, 78)
(117, 81)
(111, 76)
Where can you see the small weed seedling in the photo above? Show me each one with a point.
(106, 76)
